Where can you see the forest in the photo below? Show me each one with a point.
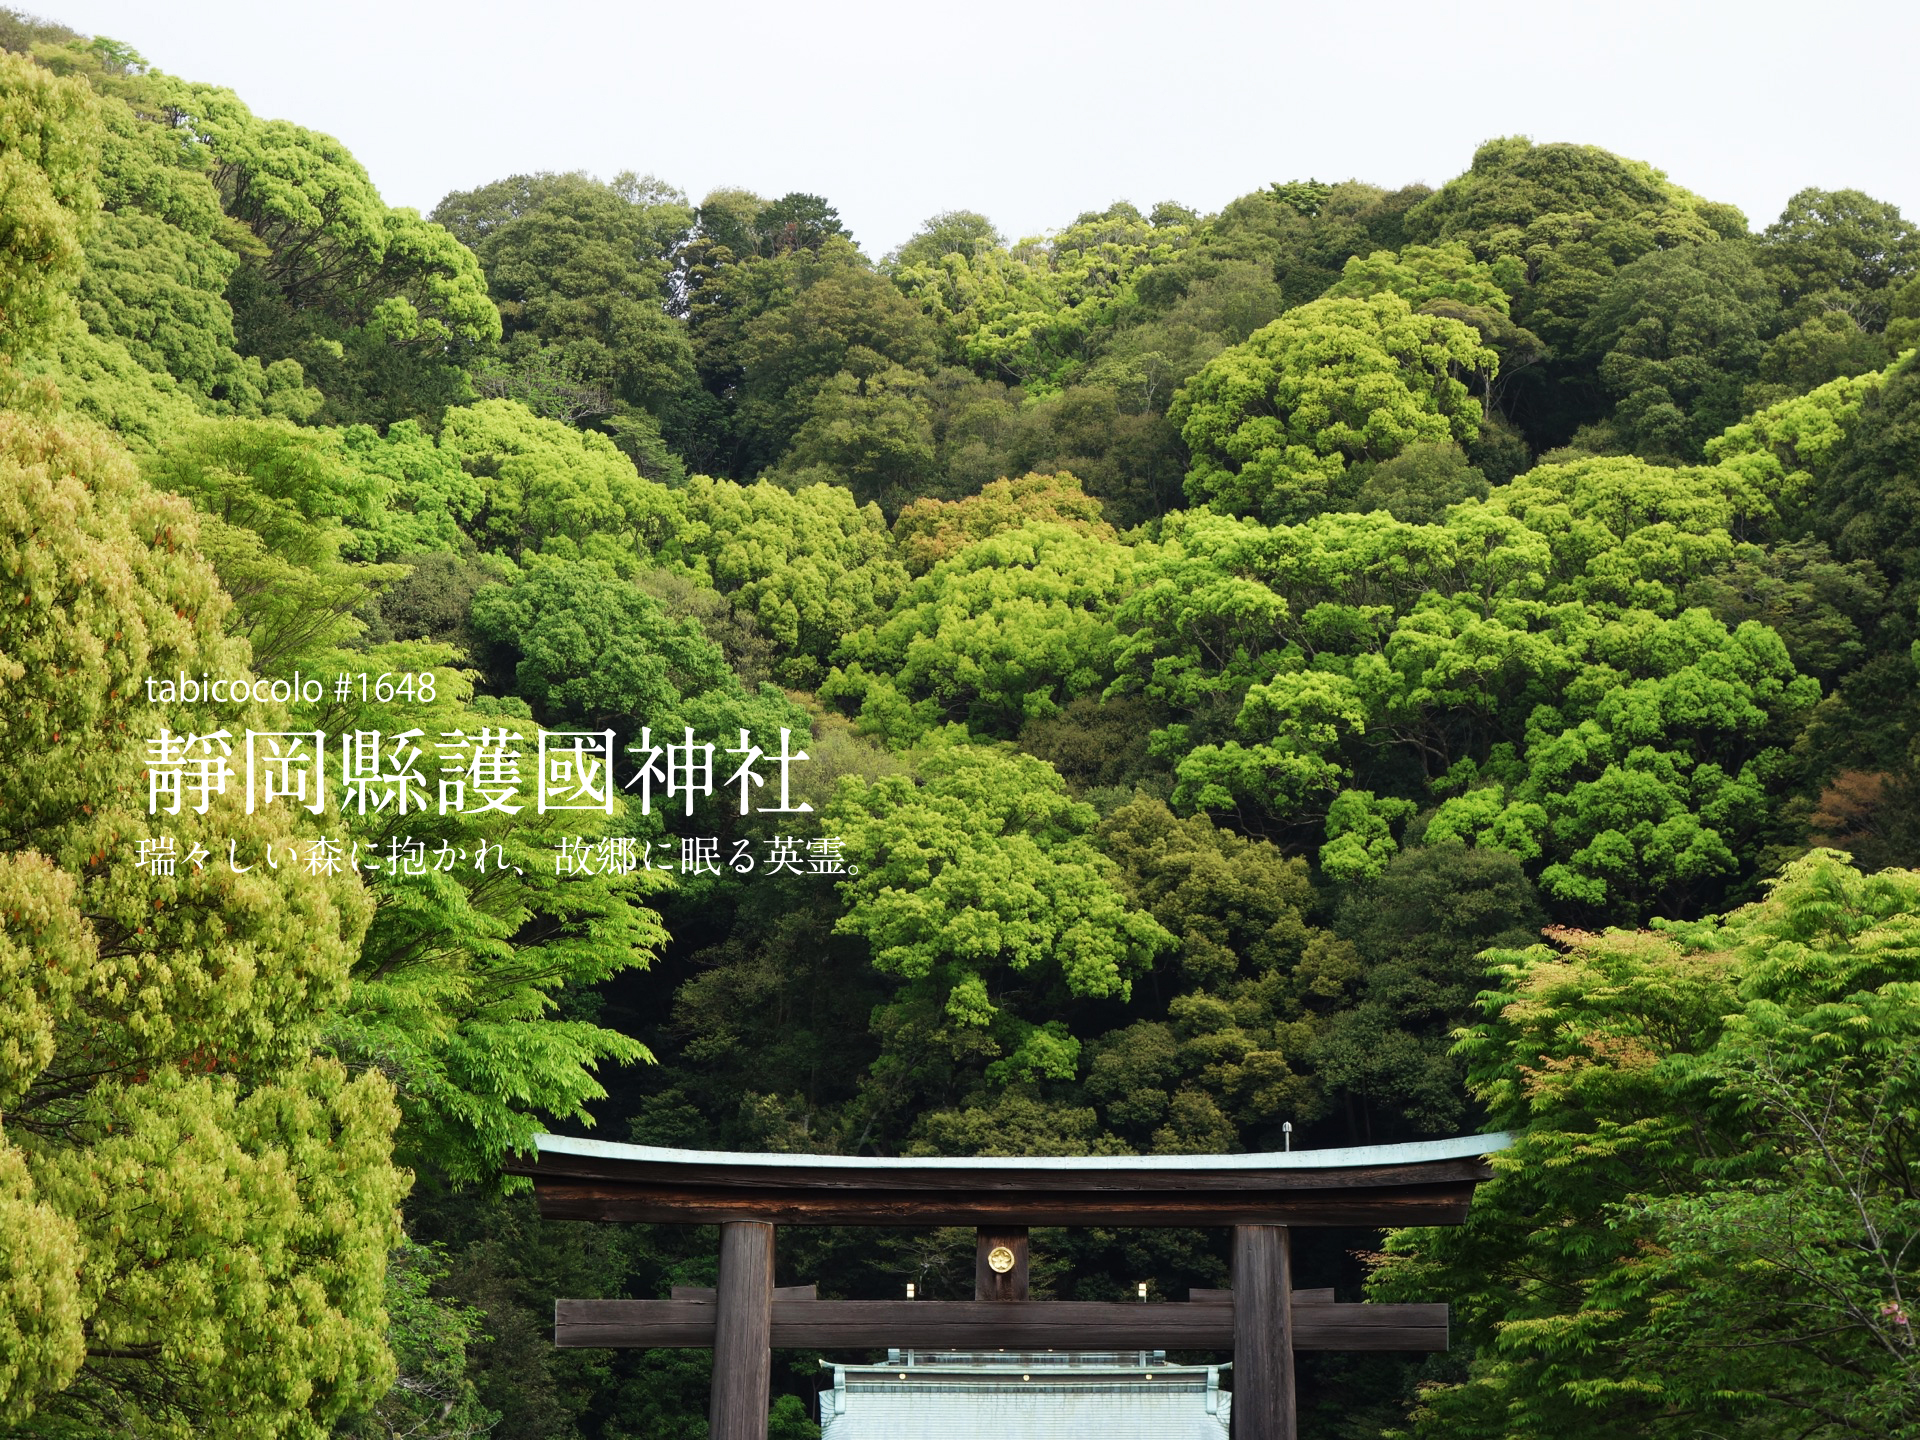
(1396, 663)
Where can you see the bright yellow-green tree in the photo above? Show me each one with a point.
(49, 149)
(1274, 424)
(207, 1204)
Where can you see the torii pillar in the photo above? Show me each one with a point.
(742, 1333)
(1263, 1398)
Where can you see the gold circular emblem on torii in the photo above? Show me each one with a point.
(1000, 1259)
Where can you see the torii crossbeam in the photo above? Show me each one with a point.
(1263, 1319)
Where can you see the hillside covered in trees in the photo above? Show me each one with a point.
(1398, 662)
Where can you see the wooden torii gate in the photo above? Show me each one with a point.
(1262, 1319)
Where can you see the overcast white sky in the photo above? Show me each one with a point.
(1033, 112)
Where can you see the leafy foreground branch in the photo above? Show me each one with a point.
(1711, 1222)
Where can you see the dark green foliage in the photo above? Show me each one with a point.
(581, 273)
(434, 601)
(586, 646)
(20, 31)
(1132, 460)
(1680, 334)
(1840, 249)
(1420, 928)
(1094, 744)
(1419, 483)
(1823, 608)
(797, 221)
(1823, 348)
(833, 332)
(1570, 216)
(1869, 508)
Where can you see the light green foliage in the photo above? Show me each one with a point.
(810, 566)
(1273, 424)
(42, 1344)
(1227, 612)
(953, 232)
(499, 474)
(272, 1211)
(1533, 649)
(1007, 630)
(1650, 775)
(279, 502)
(1627, 532)
(594, 647)
(997, 300)
(222, 1198)
(96, 378)
(1202, 621)
(375, 303)
(1422, 273)
(50, 140)
(422, 497)
(327, 234)
(1029, 314)
(1294, 726)
(46, 950)
(929, 531)
(980, 878)
(1703, 1219)
(1235, 805)
(546, 487)
(1360, 834)
(158, 260)
(157, 290)
(146, 170)
(1782, 450)
(463, 981)
(1446, 280)
(458, 975)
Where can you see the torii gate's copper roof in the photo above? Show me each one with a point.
(1428, 1182)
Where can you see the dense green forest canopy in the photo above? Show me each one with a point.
(1389, 661)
